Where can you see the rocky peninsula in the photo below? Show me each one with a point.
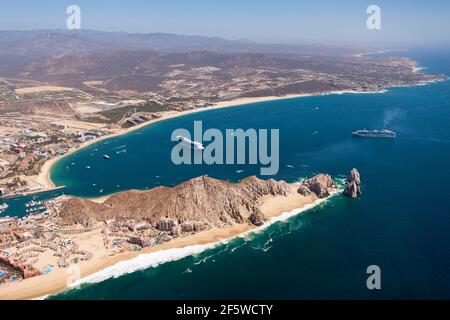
(94, 234)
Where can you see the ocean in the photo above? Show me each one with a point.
(401, 223)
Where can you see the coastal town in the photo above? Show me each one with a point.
(26, 145)
(41, 240)
(41, 122)
(67, 92)
(38, 243)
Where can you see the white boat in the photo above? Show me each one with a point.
(190, 143)
(105, 156)
(374, 133)
(3, 207)
(33, 203)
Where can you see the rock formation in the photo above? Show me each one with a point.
(321, 185)
(202, 199)
(353, 185)
(304, 191)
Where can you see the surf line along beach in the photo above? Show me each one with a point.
(44, 179)
(103, 265)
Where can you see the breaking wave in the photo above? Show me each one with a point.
(151, 260)
(353, 92)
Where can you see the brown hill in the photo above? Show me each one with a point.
(202, 199)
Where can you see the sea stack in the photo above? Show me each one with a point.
(353, 184)
(322, 185)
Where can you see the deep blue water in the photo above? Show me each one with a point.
(401, 222)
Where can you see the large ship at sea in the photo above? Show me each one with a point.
(189, 143)
(375, 133)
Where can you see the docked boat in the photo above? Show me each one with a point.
(33, 203)
(189, 143)
(3, 207)
(375, 133)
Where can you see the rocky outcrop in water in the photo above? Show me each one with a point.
(353, 184)
(321, 185)
(202, 199)
(304, 191)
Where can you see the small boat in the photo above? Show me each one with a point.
(105, 156)
(88, 167)
(3, 207)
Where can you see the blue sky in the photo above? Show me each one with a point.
(289, 21)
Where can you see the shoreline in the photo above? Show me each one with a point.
(44, 176)
(275, 208)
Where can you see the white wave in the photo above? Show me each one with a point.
(154, 259)
(418, 69)
(188, 270)
(142, 262)
(353, 92)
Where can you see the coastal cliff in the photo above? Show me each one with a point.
(320, 185)
(203, 199)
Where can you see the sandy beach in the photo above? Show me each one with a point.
(44, 175)
(58, 280)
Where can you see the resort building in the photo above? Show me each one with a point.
(166, 224)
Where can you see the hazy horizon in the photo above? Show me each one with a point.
(286, 21)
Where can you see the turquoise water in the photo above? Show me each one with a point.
(401, 222)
